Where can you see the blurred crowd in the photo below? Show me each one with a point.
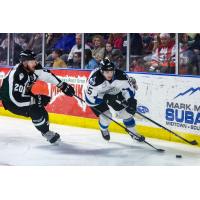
(149, 52)
(189, 54)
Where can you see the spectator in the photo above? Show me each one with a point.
(65, 42)
(90, 62)
(196, 43)
(148, 44)
(108, 50)
(76, 60)
(17, 49)
(57, 61)
(184, 42)
(115, 54)
(3, 36)
(77, 47)
(3, 50)
(164, 58)
(117, 40)
(136, 44)
(3, 56)
(120, 63)
(22, 40)
(35, 43)
(98, 48)
(89, 37)
(187, 62)
(195, 47)
(118, 59)
(51, 40)
(137, 64)
(4, 44)
(155, 43)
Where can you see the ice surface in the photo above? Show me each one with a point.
(21, 144)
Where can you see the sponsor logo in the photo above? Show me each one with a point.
(92, 81)
(142, 109)
(76, 82)
(189, 92)
(21, 76)
(181, 114)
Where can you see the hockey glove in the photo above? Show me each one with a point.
(114, 101)
(66, 89)
(133, 83)
(42, 100)
(107, 98)
(110, 99)
(132, 106)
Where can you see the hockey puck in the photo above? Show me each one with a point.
(178, 156)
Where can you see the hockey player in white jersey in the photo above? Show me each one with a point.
(17, 97)
(109, 87)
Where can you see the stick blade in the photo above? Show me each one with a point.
(194, 142)
(160, 150)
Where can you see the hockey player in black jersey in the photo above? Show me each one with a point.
(109, 87)
(17, 97)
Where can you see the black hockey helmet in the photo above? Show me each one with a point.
(27, 55)
(107, 65)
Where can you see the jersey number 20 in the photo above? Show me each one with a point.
(18, 88)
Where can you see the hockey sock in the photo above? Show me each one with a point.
(104, 122)
(130, 124)
(40, 119)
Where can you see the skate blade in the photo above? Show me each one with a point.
(57, 142)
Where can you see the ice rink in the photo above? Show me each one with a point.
(21, 145)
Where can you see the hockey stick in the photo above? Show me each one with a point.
(193, 142)
(128, 131)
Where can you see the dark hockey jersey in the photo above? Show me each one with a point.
(97, 86)
(17, 84)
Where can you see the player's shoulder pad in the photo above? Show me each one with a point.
(20, 73)
(120, 75)
(96, 78)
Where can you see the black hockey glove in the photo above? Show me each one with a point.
(114, 101)
(110, 98)
(66, 89)
(42, 100)
(107, 98)
(132, 106)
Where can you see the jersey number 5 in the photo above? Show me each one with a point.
(89, 90)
